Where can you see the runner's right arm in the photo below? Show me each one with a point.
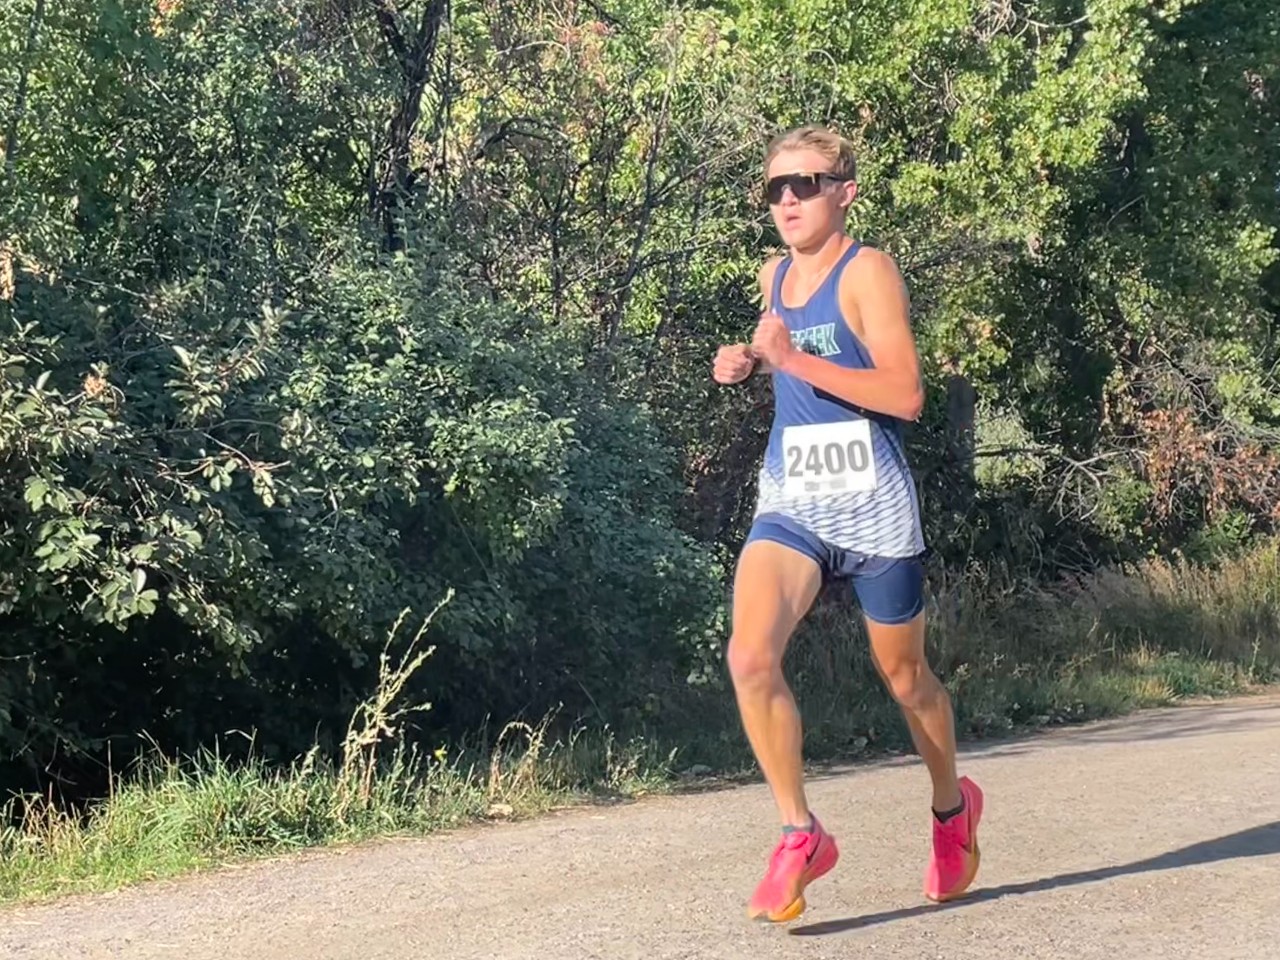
(736, 362)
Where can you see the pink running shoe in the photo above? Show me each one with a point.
(799, 859)
(954, 862)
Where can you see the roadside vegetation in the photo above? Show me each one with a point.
(321, 320)
(1103, 646)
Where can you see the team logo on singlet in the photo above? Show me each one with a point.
(819, 340)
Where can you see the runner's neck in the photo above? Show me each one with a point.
(811, 265)
(809, 269)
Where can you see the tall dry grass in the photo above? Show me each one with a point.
(169, 815)
(1012, 653)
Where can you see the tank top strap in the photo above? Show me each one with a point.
(775, 302)
(833, 278)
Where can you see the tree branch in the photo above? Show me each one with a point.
(650, 202)
(389, 20)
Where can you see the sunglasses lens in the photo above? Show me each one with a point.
(804, 186)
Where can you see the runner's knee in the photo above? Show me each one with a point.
(910, 682)
(752, 661)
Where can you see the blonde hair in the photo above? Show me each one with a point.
(844, 162)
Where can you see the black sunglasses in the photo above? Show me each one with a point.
(804, 186)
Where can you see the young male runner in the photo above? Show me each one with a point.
(836, 501)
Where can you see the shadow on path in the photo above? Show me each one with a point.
(1205, 719)
(1154, 723)
(1260, 841)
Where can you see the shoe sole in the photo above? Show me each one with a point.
(962, 888)
(974, 861)
(815, 871)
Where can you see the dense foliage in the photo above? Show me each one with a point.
(314, 310)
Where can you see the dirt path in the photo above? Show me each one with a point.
(1153, 836)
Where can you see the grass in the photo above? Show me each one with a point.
(172, 818)
(1012, 657)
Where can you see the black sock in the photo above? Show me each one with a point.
(947, 815)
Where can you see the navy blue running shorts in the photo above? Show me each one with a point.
(889, 589)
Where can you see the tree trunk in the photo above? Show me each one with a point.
(962, 403)
(415, 56)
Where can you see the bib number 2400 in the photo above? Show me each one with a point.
(828, 458)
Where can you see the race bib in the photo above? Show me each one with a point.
(821, 459)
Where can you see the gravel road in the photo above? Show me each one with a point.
(1157, 835)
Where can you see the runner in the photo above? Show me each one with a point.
(836, 501)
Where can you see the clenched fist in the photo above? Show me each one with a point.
(733, 363)
(772, 341)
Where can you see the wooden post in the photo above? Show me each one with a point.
(962, 404)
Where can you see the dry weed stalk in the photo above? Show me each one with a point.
(525, 773)
(378, 717)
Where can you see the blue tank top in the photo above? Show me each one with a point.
(836, 469)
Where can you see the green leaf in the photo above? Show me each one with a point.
(35, 492)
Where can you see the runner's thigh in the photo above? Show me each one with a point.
(773, 588)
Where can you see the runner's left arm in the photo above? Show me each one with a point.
(870, 288)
